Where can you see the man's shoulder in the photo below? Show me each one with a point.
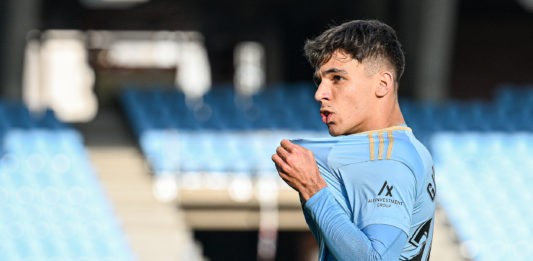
(395, 143)
(384, 144)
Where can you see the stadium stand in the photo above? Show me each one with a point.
(482, 149)
(483, 181)
(177, 137)
(483, 176)
(52, 206)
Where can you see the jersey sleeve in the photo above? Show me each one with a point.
(380, 192)
(345, 240)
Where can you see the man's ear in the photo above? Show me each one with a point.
(386, 83)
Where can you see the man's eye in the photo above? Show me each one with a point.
(336, 78)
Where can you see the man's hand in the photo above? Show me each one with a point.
(297, 167)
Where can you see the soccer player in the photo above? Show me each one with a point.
(368, 192)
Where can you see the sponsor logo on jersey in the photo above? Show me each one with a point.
(389, 189)
(385, 198)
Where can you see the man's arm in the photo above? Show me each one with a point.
(345, 240)
(297, 167)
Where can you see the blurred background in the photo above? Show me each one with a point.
(143, 129)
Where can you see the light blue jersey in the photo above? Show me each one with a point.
(380, 197)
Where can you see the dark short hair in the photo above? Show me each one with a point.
(362, 39)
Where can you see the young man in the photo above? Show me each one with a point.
(368, 192)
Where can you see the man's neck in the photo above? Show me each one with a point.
(387, 115)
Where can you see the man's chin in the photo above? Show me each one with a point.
(333, 132)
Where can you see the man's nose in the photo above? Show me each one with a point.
(322, 92)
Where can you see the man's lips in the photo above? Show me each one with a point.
(326, 115)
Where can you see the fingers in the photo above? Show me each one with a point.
(281, 165)
(287, 149)
(283, 169)
(277, 159)
(282, 153)
(287, 145)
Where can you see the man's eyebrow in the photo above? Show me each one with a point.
(333, 70)
(317, 76)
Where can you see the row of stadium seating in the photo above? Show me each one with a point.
(15, 115)
(222, 109)
(52, 206)
(170, 151)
